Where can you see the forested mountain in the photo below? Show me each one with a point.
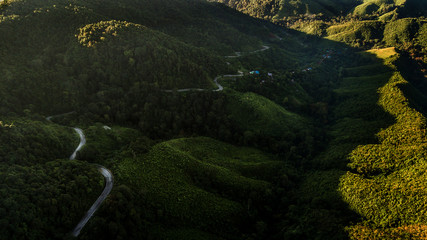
(281, 10)
(383, 92)
(292, 120)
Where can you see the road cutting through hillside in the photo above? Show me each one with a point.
(239, 54)
(220, 87)
(108, 186)
(108, 176)
(107, 173)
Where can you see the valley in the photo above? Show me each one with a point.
(273, 120)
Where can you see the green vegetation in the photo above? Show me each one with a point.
(29, 142)
(310, 138)
(387, 181)
(285, 10)
(278, 9)
(110, 62)
(196, 183)
(377, 6)
(63, 72)
(147, 57)
(36, 183)
(262, 118)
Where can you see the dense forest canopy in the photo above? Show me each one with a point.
(283, 9)
(228, 119)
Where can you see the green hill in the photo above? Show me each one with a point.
(278, 10)
(39, 62)
(308, 136)
(383, 172)
(388, 9)
(261, 118)
(402, 33)
(196, 186)
(111, 62)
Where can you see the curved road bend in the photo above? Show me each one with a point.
(59, 115)
(106, 173)
(108, 186)
(81, 144)
(108, 176)
(239, 54)
(220, 88)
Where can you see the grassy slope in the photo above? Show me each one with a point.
(389, 9)
(264, 117)
(326, 7)
(356, 94)
(200, 181)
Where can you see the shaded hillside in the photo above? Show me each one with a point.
(45, 65)
(112, 62)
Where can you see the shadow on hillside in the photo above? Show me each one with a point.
(354, 119)
(416, 90)
(342, 81)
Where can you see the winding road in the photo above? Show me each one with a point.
(81, 144)
(108, 186)
(220, 88)
(108, 176)
(239, 54)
